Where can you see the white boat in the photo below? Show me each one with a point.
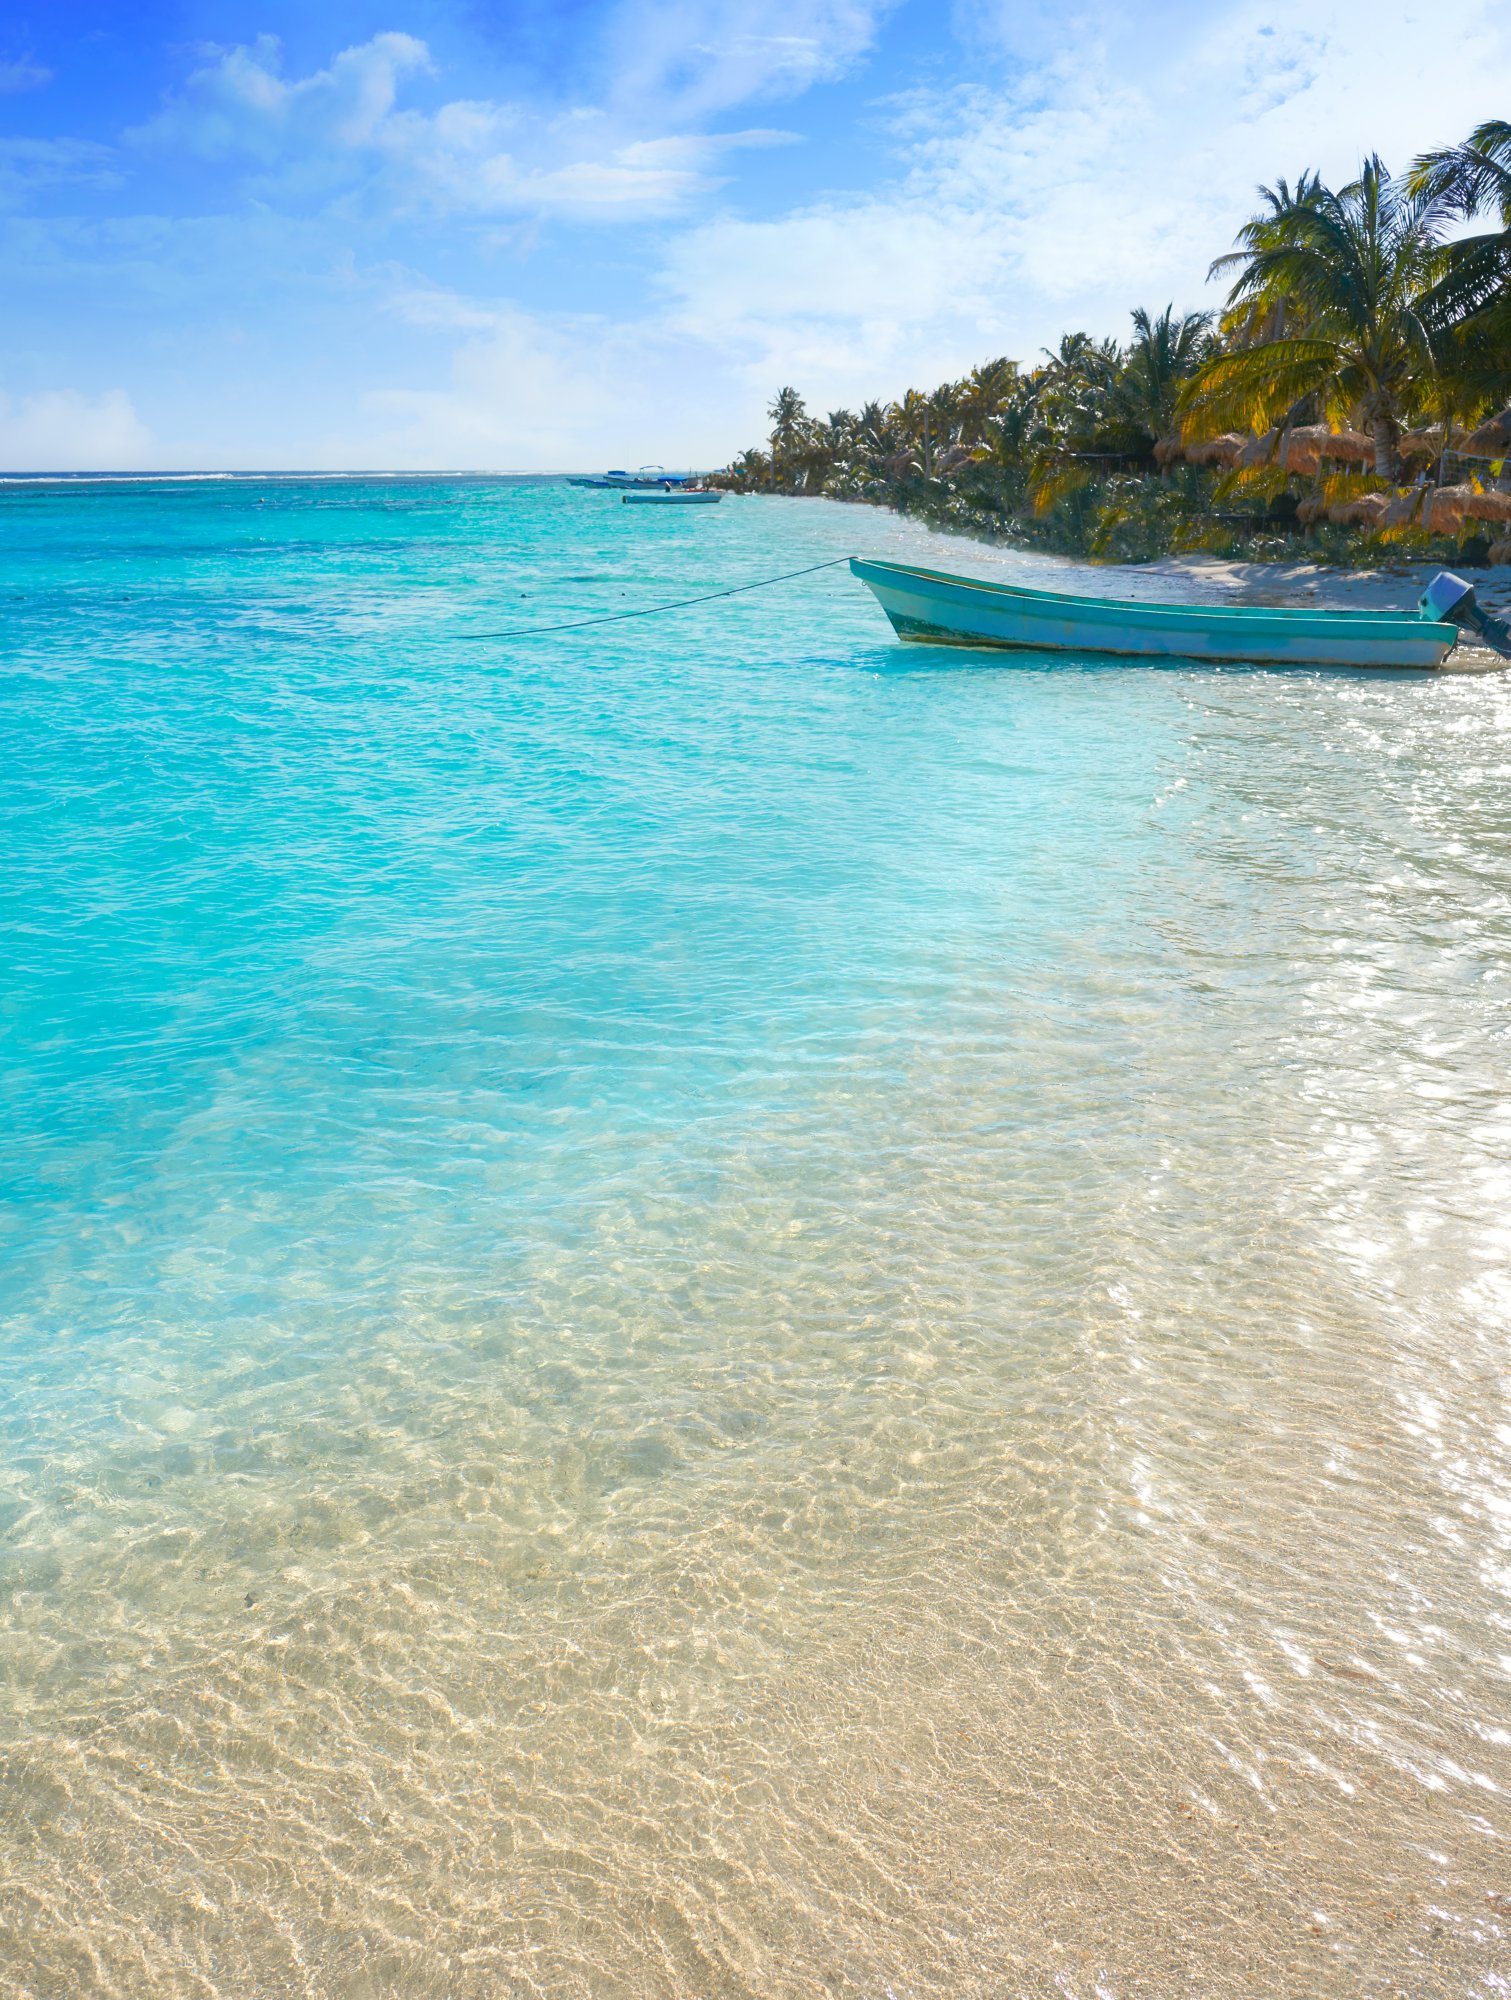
(675, 496)
(647, 476)
(935, 607)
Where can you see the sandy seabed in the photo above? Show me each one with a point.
(747, 1316)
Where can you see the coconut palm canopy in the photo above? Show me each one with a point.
(1347, 286)
(1365, 333)
(1468, 182)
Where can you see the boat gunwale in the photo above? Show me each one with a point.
(1296, 618)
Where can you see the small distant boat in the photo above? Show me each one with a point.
(647, 476)
(937, 608)
(675, 496)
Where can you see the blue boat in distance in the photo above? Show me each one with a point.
(648, 475)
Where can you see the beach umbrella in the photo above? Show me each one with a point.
(1222, 450)
(1402, 510)
(1500, 552)
(1491, 439)
(1488, 507)
(1301, 449)
(1258, 450)
(1348, 448)
(1367, 511)
(1422, 444)
(1168, 449)
(1445, 510)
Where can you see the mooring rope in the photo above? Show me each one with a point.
(652, 610)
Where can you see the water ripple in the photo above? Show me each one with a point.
(724, 1310)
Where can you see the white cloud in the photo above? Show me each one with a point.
(30, 165)
(1067, 194)
(548, 392)
(63, 430)
(1096, 159)
(692, 59)
(240, 104)
(1106, 175)
(344, 124)
(21, 74)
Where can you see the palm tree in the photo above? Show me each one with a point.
(753, 467)
(1471, 178)
(1163, 353)
(839, 430)
(1337, 290)
(986, 390)
(788, 414)
(1475, 292)
(1075, 387)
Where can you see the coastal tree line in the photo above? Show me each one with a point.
(1354, 386)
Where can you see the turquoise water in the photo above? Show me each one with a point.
(713, 1307)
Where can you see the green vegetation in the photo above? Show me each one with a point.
(1346, 392)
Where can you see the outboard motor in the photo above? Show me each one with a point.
(1448, 600)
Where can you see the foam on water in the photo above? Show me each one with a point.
(715, 1308)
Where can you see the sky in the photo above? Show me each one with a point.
(566, 234)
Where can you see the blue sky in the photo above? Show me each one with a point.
(512, 234)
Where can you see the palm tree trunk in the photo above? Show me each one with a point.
(1387, 438)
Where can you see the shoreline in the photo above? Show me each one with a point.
(1300, 581)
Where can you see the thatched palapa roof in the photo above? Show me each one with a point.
(1367, 511)
(1302, 450)
(1402, 510)
(1444, 513)
(1349, 448)
(1257, 450)
(1490, 440)
(1223, 450)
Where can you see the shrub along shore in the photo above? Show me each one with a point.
(1351, 400)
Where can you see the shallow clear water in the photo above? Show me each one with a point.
(714, 1308)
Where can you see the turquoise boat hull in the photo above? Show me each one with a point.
(940, 609)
